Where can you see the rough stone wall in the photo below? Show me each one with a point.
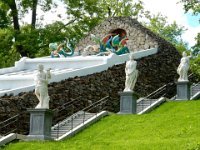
(154, 71)
(139, 37)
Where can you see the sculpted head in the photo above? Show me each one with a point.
(184, 54)
(53, 46)
(40, 67)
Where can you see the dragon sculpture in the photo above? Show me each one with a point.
(60, 50)
(112, 43)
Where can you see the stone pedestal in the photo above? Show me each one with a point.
(128, 103)
(183, 90)
(40, 124)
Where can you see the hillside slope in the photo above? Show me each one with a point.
(174, 125)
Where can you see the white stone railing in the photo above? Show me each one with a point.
(80, 66)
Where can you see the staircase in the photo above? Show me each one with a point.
(145, 105)
(74, 124)
(79, 120)
(195, 91)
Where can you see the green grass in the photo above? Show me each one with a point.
(173, 126)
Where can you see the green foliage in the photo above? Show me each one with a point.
(112, 8)
(196, 47)
(171, 32)
(195, 62)
(193, 5)
(8, 54)
(28, 38)
(195, 66)
(4, 19)
(173, 126)
(182, 46)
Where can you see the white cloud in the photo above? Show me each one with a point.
(175, 12)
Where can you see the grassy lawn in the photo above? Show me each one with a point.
(174, 125)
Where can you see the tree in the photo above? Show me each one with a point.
(114, 8)
(91, 12)
(4, 19)
(171, 32)
(193, 5)
(196, 47)
(19, 8)
(8, 55)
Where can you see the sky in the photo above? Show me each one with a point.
(175, 12)
(169, 8)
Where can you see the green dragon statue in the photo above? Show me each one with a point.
(60, 50)
(113, 43)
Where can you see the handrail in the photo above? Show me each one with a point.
(196, 84)
(154, 92)
(95, 103)
(64, 108)
(165, 89)
(13, 117)
(74, 100)
(162, 91)
(71, 119)
(12, 124)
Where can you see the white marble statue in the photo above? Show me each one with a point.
(41, 87)
(183, 67)
(131, 73)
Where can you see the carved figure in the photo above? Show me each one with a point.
(41, 87)
(60, 51)
(183, 67)
(90, 50)
(131, 73)
(112, 43)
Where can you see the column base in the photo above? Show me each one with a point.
(128, 102)
(183, 90)
(40, 124)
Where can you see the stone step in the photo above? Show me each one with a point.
(195, 89)
(68, 120)
(145, 102)
(66, 125)
(60, 132)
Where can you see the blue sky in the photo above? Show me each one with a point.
(175, 12)
(193, 21)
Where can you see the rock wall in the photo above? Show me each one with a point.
(154, 71)
(139, 37)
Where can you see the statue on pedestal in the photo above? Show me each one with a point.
(41, 87)
(131, 73)
(183, 67)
